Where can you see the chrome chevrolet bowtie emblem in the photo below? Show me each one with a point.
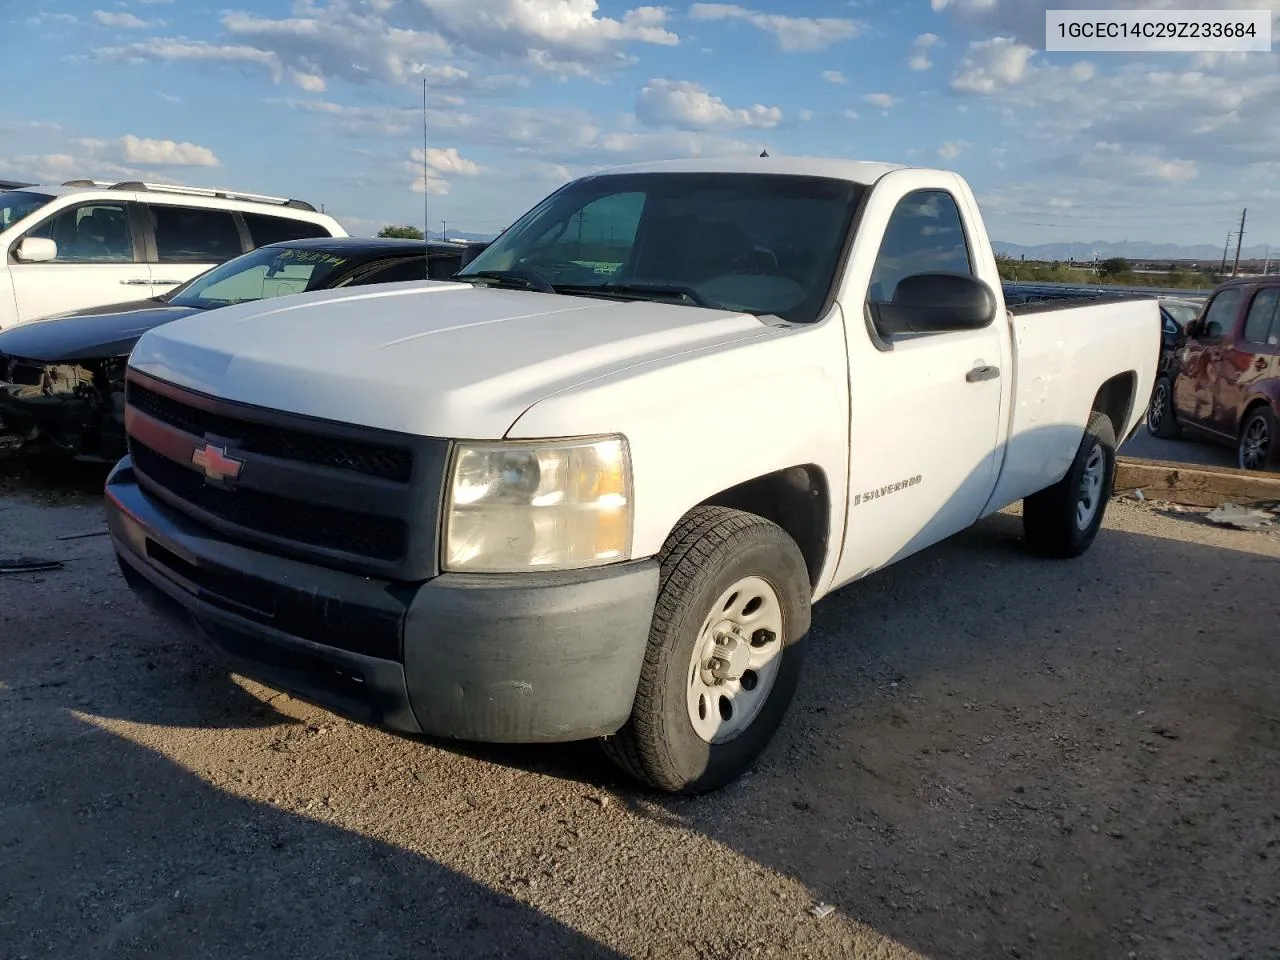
(215, 463)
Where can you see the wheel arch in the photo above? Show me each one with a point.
(797, 499)
(1254, 403)
(1115, 399)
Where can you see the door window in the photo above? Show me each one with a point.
(925, 235)
(1221, 315)
(1262, 312)
(90, 233)
(195, 234)
(264, 229)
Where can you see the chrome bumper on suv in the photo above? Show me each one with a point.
(306, 552)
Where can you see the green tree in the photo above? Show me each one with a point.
(1113, 267)
(405, 232)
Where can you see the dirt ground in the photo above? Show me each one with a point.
(990, 756)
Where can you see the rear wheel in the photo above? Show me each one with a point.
(1063, 520)
(1256, 449)
(1161, 421)
(724, 653)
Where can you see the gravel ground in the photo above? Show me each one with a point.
(990, 756)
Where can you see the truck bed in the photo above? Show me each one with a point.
(1026, 298)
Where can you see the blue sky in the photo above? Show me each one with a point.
(321, 99)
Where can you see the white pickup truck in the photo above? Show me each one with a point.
(592, 486)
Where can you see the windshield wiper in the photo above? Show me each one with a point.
(648, 291)
(524, 279)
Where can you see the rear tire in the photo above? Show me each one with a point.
(1063, 520)
(725, 651)
(1162, 422)
(1257, 446)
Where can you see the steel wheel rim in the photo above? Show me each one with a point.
(735, 660)
(1255, 444)
(1155, 414)
(1089, 500)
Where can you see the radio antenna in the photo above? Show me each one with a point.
(426, 190)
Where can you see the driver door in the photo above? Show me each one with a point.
(99, 262)
(1200, 368)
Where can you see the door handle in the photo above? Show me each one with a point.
(136, 283)
(980, 373)
(1260, 363)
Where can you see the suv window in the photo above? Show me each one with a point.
(264, 229)
(1221, 315)
(195, 234)
(90, 233)
(925, 234)
(1261, 312)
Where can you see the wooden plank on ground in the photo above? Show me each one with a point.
(1194, 485)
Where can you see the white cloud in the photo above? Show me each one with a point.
(446, 161)
(686, 105)
(123, 20)
(993, 65)
(952, 149)
(805, 116)
(166, 153)
(168, 97)
(852, 115)
(792, 33)
(434, 165)
(884, 101)
(918, 58)
(1061, 203)
(833, 76)
(41, 18)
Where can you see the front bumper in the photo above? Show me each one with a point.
(67, 422)
(514, 659)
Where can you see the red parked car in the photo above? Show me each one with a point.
(1224, 382)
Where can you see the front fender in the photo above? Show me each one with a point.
(702, 422)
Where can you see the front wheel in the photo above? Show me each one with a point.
(1161, 420)
(1257, 446)
(725, 650)
(1063, 520)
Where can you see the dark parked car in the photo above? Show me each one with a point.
(1224, 384)
(62, 378)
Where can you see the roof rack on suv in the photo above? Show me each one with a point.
(137, 186)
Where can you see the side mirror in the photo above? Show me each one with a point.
(471, 251)
(36, 250)
(1191, 330)
(936, 303)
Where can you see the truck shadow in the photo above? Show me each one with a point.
(109, 849)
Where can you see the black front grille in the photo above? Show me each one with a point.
(374, 460)
(329, 528)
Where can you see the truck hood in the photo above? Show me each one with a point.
(96, 335)
(429, 359)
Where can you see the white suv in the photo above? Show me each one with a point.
(86, 243)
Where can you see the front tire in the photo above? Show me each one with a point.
(1161, 420)
(1256, 448)
(724, 655)
(1063, 520)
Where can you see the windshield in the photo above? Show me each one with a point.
(759, 243)
(266, 272)
(17, 204)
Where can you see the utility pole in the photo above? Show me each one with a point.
(1266, 264)
(1239, 241)
(444, 230)
(1222, 270)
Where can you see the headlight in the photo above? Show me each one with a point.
(554, 505)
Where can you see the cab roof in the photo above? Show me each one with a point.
(854, 171)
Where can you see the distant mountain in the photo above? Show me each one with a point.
(459, 235)
(1129, 249)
